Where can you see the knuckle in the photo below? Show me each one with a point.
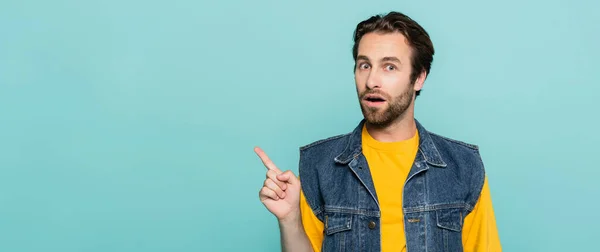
(270, 173)
(272, 185)
(266, 192)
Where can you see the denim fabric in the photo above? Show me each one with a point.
(442, 188)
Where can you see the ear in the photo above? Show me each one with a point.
(420, 81)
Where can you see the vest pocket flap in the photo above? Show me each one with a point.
(337, 222)
(451, 219)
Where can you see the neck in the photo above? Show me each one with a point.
(403, 128)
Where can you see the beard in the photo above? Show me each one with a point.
(384, 116)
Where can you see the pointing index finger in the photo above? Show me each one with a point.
(266, 160)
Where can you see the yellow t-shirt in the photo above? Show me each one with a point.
(390, 163)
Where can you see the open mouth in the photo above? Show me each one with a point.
(373, 100)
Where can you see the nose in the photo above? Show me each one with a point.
(373, 80)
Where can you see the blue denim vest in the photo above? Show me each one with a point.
(442, 188)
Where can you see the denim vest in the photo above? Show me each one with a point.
(441, 189)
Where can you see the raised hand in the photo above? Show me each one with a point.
(281, 190)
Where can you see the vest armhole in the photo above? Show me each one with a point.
(309, 184)
(478, 181)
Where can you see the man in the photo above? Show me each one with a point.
(389, 185)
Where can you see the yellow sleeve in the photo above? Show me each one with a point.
(312, 225)
(480, 233)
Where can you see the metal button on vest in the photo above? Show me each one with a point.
(372, 225)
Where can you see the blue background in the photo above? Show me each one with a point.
(129, 125)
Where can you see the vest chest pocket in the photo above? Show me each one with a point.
(450, 221)
(337, 231)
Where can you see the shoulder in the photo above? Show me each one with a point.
(463, 161)
(456, 149)
(463, 154)
(321, 153)
(336, 143)
(440, 139)
(325, 142)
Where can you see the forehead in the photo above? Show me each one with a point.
(377, 45)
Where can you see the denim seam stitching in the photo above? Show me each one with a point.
(472, 146)
(323, 141)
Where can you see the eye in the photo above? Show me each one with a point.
(364, 65)
(390, 67)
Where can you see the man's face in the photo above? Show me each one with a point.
(382, 76)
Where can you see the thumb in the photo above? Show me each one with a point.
(289, 177)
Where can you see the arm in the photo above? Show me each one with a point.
(480, 233)
(293, 237)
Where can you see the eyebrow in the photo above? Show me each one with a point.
(362, 57)
(384, 59)
(394, 59)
